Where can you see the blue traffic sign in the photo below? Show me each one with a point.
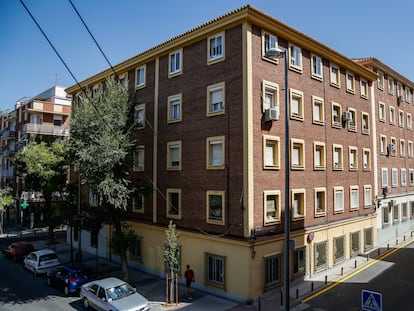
(371, 301)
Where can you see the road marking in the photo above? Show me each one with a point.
(340, 281)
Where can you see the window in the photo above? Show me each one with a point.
(215, 152)
(136, 250)
(298, 154)
(338, 199)
(299, 262)
(174, 155)
(394, 177)
(383, 144)
(399, 90)
(318, 110)
(295, 57)
(270, 96)
(339, 248)
(320, 201)
(321, 255)
(298, 203)
(364, 88)
(271, 152)
(337, 157)
(316, 64)
(355, 242)
(174, 203)
(404, 212)
(175, 63)
(384, 177)
(140, 116)
(390, 86)
(392, 115)
(140, 76)
(269, 41)
(409, 121)
(385, 216)
(411, 176)
(215, 46)
(57, 120)
(350, 82)
(215, 99)
(395, 214)
(393, 147)
(407, 92)
(319, 162)
(353, 158)
(215, 207)
(138, 203)
(174, 108)
(410, 149)
(215, 270)
(354, 197)
(296, 104)
(352, 124)
(380, 80)
(402, 148)
(382, 114)
(272, 271)
(122, 79)
(366, 159)
(365, 123)
(335, 76)
(403, 177)
(401, 118)
(139, 156)
(336, 115)
(367, 196)
(271, 207)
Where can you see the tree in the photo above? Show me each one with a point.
(45, 164)
(6, 199)
(171, 253)
(100, 142)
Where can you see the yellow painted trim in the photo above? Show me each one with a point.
(375, 261)
(248, 176)
(155, 142)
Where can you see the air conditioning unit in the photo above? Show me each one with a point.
(347, 116)
(391, 147)
(272, 114)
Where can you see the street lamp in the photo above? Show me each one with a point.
(275, 53)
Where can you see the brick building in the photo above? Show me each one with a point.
(210, 141)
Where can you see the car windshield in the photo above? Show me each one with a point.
(120, 291)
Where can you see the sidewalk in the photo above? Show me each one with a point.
(153, 287)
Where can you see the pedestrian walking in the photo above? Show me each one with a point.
(189, 278)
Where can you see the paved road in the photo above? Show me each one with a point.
(393, 277)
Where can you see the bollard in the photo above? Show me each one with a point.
(355, 264)
(404, 237)
(388, 246)
(297, 293)
(326, 279)
(312, 287)
(396, 242)
(367, 257)
(342, 271)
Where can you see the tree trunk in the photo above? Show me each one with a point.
(51, 233)
(123, 255)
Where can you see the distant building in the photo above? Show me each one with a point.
(42, 117)
(210, 132)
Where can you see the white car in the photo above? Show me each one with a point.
(112, 294)
(41, 261)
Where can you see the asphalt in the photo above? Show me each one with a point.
(154, 287)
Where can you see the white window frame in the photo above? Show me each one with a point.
(350, 82)
(140, 76)
(273, 90)
(298, 196)
(211, 158)
(211, 90)
(319, 156)
(174, 110)
(175, 63)
(269, 41)
(316, 67)
(321, 211)
(337, 155)
(268, 207)
(338, 201)
(353, 201)
(140, 116)
(403, 172)
(298, 112)
(174, 155)
(382, 112)
(271, 150)
(367, 196)
(169, 193)
(297, 147)
(295, 57)
(215, 51)
(139, 159)
(217, 220)
(364, 88)
(384, 177)
(318, 117)
(335, 75)
(394, 177)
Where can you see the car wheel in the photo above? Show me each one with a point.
(66, 291)
(48, 282)
(86, 303)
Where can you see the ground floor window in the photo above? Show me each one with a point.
(369, 239)
(215, 270)
(299, 262)
(136, 250)
(385, 215)
(339, 248)
(404, 212)
(321, 258)
(355, 243)
(272, 271)
(411, 209)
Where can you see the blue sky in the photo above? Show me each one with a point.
(124, 28)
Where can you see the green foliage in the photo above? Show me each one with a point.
(6, 198)
(171, 249)
(101, 143)
(123, 240)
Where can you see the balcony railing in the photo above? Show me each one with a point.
(45, 129)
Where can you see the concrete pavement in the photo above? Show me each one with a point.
(153, 287)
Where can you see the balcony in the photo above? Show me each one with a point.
(8, 134)
(45, 129)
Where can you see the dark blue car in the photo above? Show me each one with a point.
(70, 278)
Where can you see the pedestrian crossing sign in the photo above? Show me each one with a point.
(371, 301)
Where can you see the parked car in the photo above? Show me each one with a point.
(41, 261)
(112, 294)
(16, 251)
(70, 278)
